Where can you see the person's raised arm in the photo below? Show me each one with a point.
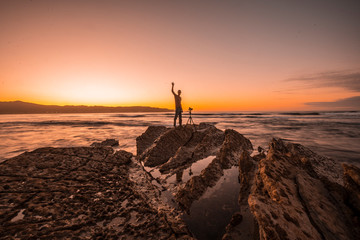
(172, 88)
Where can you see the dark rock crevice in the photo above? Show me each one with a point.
(247, 228)
(303, 203)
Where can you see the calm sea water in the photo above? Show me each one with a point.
(333, 134)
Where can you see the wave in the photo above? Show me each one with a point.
(318, 113)
(290, 128)
(130, 116)
(83, 123)
(251, 116)
(300, 113)
(343, 111)
(228, 114)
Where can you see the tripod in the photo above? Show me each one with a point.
(190, 120)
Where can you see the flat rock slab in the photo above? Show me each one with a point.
(82, 192)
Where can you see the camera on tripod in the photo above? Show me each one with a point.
(190, 120)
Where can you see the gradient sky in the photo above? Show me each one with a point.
(223, 55)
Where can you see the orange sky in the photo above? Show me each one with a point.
(228, 55)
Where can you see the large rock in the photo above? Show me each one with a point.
(148, 138)
(295, 194)
(234, 144)
(177, 149)
(165, 146)
(204, 142)
(352, 186)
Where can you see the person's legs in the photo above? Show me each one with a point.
(176, 115)
(180, 117)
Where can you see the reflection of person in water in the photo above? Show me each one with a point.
(178, 108)
(179, 175)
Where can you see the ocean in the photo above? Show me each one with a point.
(333, 134)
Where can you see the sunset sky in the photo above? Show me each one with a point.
(223, 55)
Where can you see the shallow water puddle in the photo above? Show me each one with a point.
(173, 181)
(181, 176)
(210, 214)
(196, 168)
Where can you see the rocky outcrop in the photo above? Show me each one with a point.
(165, 146)
(233, 145)
(204, 142)
(177, 148)
(80, 193)
(145, 140)
(295, 194)
(107, 142)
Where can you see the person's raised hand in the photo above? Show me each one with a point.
(173, 83)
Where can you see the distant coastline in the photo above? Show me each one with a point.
(19, 107)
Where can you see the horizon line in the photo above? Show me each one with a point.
(184, 110)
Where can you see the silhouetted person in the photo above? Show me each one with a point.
(178, 108)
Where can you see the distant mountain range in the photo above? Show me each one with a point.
(19, 107)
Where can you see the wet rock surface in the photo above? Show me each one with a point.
(83, 193)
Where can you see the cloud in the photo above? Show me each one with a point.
(349, 80)
(352, 103)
